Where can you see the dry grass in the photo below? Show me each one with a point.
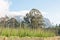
(29, 38)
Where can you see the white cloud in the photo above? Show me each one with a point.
(4, 7)
(15, 13)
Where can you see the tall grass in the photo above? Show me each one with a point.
(25, 32)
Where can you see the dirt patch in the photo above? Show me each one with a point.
(30, 38)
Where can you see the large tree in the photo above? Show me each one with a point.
(34, 18)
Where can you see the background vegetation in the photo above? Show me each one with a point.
(32, 26)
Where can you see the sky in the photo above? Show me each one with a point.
(49, 8)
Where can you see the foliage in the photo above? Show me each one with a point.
(9, 22)
(34, 18)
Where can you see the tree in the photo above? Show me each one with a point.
(12, 23)
(59, 25)
(34, 18)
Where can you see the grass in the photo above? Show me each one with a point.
(20, 32)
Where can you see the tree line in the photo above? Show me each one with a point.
(33, 19)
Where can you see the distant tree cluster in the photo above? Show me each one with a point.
(33, 19)
(8, 22)
(57, 27)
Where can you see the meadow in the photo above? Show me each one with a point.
(26, 32)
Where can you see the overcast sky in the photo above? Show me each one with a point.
(49, 8)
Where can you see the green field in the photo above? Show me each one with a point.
(27, 32)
